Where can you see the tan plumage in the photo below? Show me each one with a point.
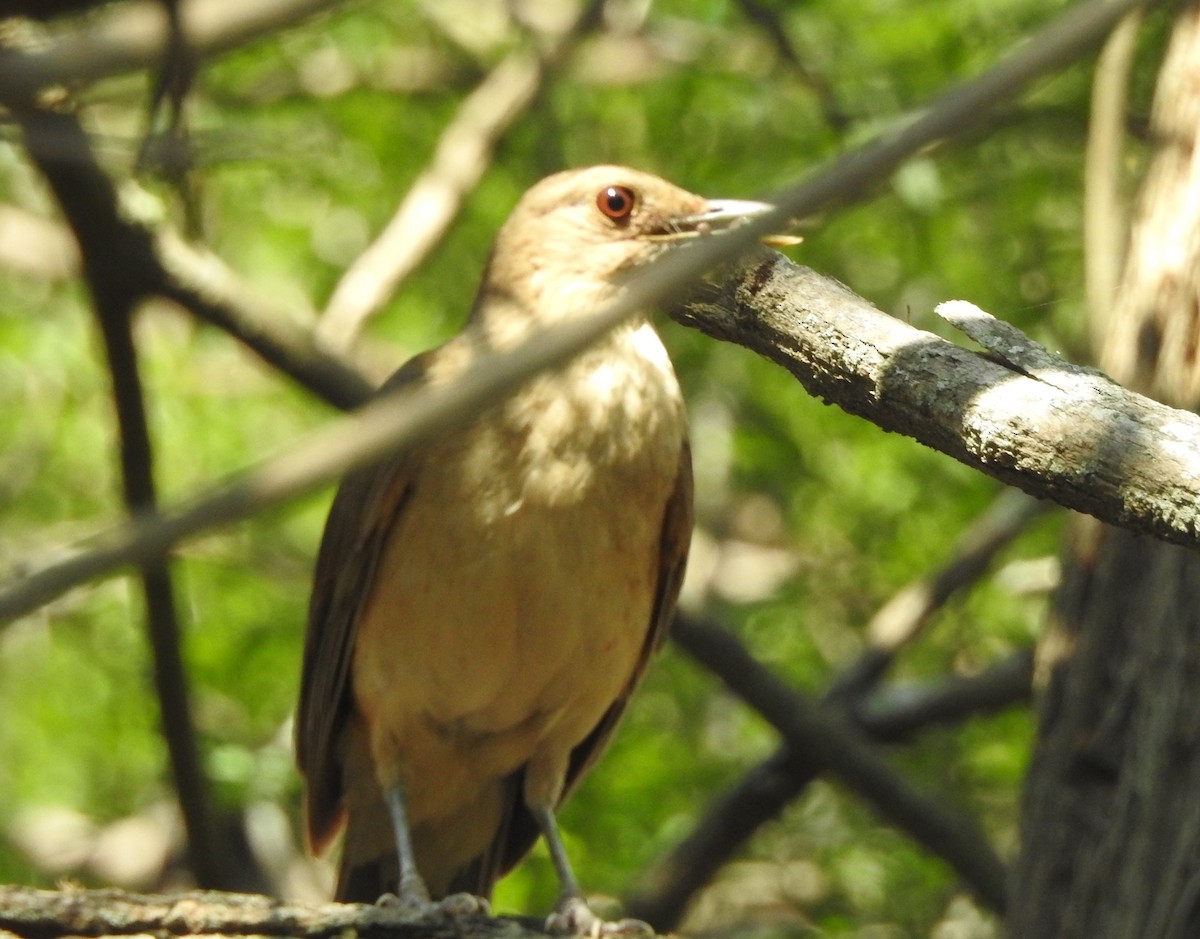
(484, 607)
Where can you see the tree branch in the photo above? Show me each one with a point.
(766, 789)
(1032, 420)
(90, 206)
(902, 618)
(131, 36)
(45, 914)
(830, 742)
(890, 715)
(203, 285)
(963, 107)
(459, 161)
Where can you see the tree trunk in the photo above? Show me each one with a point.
(1111, 818)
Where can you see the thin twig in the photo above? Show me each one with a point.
(203, 285)
(462, 156)
(905, 614)
(131, 36)
(1057, 44)
(894, 714)
(771, 23)
(460, 159)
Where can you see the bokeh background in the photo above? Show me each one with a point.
(305, 141)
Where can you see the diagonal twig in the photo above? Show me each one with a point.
(767, 788)
(831, 742)
(461, 157)
(203, 285)
(771, 23)
(906, 613)
(764, 791)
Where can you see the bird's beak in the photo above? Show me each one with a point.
(723, 214)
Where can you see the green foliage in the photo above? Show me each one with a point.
(299, 173)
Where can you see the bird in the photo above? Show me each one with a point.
(484, 605)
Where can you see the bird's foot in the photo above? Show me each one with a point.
(417, 905)
(464, 904)
(573, 917)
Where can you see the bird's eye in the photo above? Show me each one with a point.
(615, 202)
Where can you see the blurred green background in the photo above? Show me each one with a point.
(809, 519)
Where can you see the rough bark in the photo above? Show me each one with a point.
(1111, 820)
(45, 914)
(1017, 413)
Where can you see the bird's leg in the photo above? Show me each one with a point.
(411, 892)
(572, 916)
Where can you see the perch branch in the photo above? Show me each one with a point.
(45, 914)
(1018, 412)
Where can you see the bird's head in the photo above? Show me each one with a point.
(574, 237)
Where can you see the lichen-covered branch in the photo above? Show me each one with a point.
(1055, 430)
(46, 914)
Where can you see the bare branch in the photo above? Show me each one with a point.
(132, 36)
(902, 618)
(463, 154)
(165, 265)
(90, 206)
(203, 285)
(766, 789)
(1034, 421)
(830, 742)
(890, 715)
(770, 22)
(1057, 44)
(894, 714)
(45, 914)
(460, 159)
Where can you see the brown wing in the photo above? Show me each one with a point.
(363, 513)
(520, 832)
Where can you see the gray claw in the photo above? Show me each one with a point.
(574, 918)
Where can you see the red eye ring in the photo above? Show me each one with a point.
(615, 202)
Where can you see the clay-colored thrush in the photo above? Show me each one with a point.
(484, 607)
